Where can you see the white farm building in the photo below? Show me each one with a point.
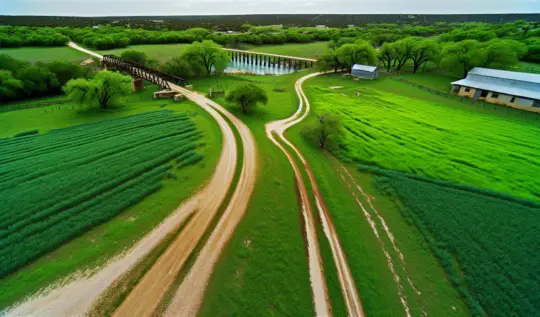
(514, 89)
(364, 71)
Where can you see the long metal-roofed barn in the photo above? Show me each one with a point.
(364, 71)
(514, 89)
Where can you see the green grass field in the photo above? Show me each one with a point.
(45, 54)
(396, 126)
(104, 241)
(484, 241)
(263, 270)
(309, 50)
(160, 52)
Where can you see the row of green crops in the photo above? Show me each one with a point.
(57, 185)
(488, 244)
(431, 136)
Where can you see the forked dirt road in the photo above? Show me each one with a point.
(76, 297)
(319, 289)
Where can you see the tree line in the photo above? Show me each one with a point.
(454, 57)
(109, 36)
(22, 80)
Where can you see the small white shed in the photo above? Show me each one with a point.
(365, 71)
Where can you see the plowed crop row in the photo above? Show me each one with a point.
(57, 185)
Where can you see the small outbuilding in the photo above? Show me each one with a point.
(365, 71)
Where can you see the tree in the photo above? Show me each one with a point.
(423, 51)
(104, 89)
(64, 71)
(10, 87)
(247, 96)
(387, 54)
(180, 67)
(462, 55)
(403, 49)
(502, 53)
(135, 56)
(330, 59)
(38, 81)
(360, 52)
(325, 129)
(210, 54)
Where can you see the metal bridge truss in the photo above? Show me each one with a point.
(140, 71)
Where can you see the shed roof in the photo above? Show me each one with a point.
(503, 81)
(365, 68)
(506, 74)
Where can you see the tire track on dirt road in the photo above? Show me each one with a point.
(146, 296)
(189, 296)
(322, 306)
(77, 294)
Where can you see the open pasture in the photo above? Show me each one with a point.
(59, 184)
(396, 126)
(45, 54)
(486, 243)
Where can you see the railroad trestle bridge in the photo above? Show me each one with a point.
(141, 72)
(270, 60)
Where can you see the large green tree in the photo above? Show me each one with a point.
(460, 57)
(324, 130)
(403, 50)
(360, 52)
(38, 81)
(181, 67)
(104, 89)
(135, 56)
(65, 71)
(209, 54)
(247, 96)
(423, 51)
(387, 55)
(502, 53)
(10, 87)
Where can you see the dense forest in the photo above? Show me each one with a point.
(234, 22)
(109, 36)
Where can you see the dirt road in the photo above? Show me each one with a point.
(76, 296)
(145, 297)
(322, 307)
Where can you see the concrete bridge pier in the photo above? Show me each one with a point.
(138, 84)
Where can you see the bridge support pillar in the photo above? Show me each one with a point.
(138, 84)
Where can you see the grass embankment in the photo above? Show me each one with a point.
(263, 270)
(308, 50)
(45, 54)
(101, 243)
(397, 126)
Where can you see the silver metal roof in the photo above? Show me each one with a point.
(506, 74)
(503, 81)
(365, 68)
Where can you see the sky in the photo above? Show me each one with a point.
(222, 7)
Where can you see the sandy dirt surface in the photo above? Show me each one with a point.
(189, 296)
(144, 298)
(352, 300)
(76, 295)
